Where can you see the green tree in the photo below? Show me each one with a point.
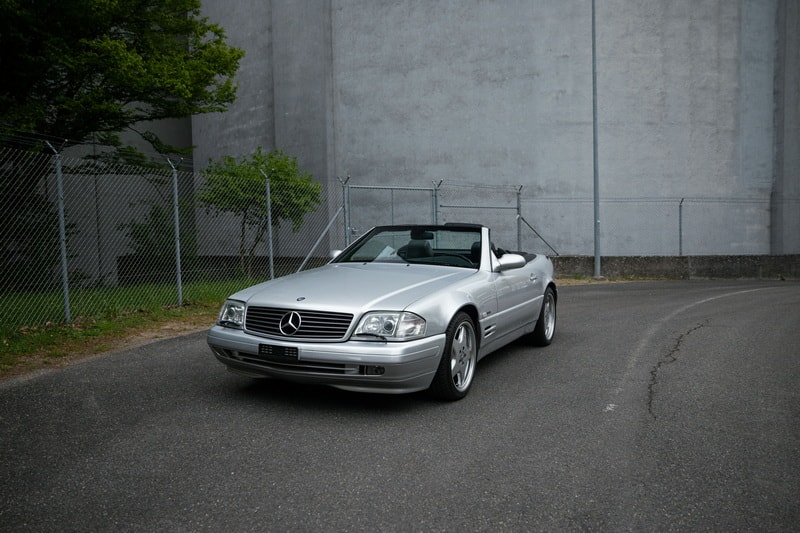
(81, 69)
(239, 187)
(153, 241)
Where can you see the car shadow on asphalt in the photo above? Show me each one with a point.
(279, 393)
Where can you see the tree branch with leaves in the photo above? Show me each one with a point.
(239, 187)
(89, 69)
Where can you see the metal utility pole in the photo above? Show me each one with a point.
(597, 273)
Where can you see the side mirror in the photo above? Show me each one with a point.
(509, 261)
(335, 253)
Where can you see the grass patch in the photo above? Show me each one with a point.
(35, 336)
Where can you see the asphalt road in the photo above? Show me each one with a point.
(659, 406)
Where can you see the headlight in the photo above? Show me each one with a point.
(397, 325)
(232, 314)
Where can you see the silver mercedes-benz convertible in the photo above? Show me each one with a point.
(402, 309)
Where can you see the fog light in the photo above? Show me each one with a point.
(374, 370)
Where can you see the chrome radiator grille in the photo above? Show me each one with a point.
(297, 324)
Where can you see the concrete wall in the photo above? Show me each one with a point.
(500, 92)
(284, 86)
(250, 121)
(480, 92)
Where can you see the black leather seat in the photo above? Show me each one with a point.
(475, 253)
(418, 249)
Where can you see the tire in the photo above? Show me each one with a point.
(546, 323)
(453, 378)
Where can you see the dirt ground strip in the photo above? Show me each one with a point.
(92, 348)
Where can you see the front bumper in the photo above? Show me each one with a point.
(365, 366)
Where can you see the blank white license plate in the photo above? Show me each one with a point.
(268, 351)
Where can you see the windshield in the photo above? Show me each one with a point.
(431, 245)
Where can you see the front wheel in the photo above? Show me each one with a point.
(546, 324)
(457, 367)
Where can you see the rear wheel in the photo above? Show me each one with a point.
(546, 324)
(457, 367)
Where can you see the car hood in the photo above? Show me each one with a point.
(354, 287)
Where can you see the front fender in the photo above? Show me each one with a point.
(439, 308)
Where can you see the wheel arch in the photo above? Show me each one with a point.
(552, 285)
(472, 311)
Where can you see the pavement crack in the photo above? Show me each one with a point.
(669, 358)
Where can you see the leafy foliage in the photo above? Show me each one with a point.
(153, 241)
(75, 68)
(239, 187)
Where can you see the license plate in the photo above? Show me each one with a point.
(268, 351)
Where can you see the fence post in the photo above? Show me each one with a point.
(62, 233)
(436, 202)
(269, 228)
(176, 217)
(346, 206)
(680, 228)
(519, 218)
(391, 204)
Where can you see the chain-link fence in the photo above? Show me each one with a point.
(657, 226)
(85, 238)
